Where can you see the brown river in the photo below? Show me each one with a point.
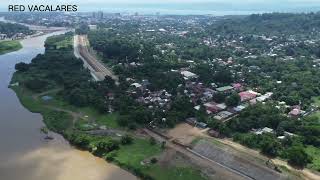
(24, 154)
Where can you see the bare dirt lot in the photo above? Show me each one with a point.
(185, 133)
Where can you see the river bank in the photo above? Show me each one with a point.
(25, 154)
(9, 46)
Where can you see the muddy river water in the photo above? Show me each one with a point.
(24, 154)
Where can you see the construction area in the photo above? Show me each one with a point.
(217, 159)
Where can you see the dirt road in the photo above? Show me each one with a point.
(75, 115)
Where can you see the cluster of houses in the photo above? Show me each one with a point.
(3, 36)
(14, 37)
(202, 96)
(271, 131)
(159, 99)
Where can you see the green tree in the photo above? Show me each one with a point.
(22, 67)
(233, 100)
(270, 146)
(126, 139)
(298, 157)
(152, 141)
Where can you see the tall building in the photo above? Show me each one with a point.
(100, 15)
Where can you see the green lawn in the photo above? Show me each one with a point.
(316, 101)
(9, 46)
(133, 154)
(315, 154)
(177, 173)
(68, 42)
(63, 42)
(317, 114)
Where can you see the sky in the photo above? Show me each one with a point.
(182, 6)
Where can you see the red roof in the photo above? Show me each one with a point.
(246, 96)
(294, 112)
(212, 106)
(236, 85)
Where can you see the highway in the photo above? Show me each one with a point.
(98, 70)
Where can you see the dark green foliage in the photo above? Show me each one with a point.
(126, 139)
(154, 160)
(258, 116)
(61, 68)
(111, 155)
(215, 74)
(219, 97)
(298, 157)
(82, 29)
(12, 29)
(79, 139)
(219, 126)
(270, 146)
(152, 141)
(248, 139)
(233, 100)
(105, 145)
(58, 121)
(21, 67)
(271, 23)
(98, 145)
(36, 84)
(268, 143)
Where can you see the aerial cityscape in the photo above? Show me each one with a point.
(102, 91)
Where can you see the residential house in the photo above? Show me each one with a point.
(188, 75)
(225, 89)
(247, 95)
(213, 107)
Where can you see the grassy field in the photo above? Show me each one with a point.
(60, 41)
(9, 46)
(315, 154)
(65, 43)
(131, 156)
(178, 173)
(316, 100)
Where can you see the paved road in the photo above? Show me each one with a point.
(97, 69)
